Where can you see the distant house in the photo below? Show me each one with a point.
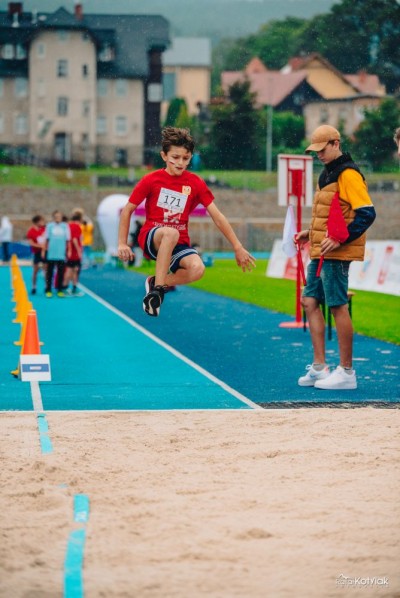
(313, 87)
(81, 88)
(187, 72)
(284, 92)
(343, 98)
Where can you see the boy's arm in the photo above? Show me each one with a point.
(124, 251)
(243, 258)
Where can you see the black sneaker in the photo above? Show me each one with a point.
(149, 284)
(153, 300)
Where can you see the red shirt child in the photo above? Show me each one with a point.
(170, 201)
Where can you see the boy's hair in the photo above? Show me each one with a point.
(180, 137)
(396, 137)
(36, 219)
(76, 217)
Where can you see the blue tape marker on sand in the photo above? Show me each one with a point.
(73, 582)
(45, 442)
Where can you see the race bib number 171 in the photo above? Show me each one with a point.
(173, 201)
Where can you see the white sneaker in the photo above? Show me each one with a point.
(313, 375)
(338, 380)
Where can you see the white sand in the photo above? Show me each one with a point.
(217, 504)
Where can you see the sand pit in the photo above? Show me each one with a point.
(213, 503)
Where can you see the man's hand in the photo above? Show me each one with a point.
(125, 252)
(244, 259)
(328, 245)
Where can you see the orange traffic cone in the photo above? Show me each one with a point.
(31, 344)
(24, 318)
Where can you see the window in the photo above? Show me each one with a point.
(62, 68)
(21, 87)
(106, 53)
(154, 92)
(169, 86)
(121, 126)
(1, 88)
(85, 107)
(62, 106)
(85, 71)
(20, 52)
(323, 115)
(102, 88)
(41, 50)
(21, 124)
(1, 123)
(62, 35)
(101, 125)
(8, 51)
(121, 87)
(41, 88)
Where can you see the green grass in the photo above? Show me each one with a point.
(57, 178)
(225, 278)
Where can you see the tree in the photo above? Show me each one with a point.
(288, 129)
(374, 137)
(358, 34)
(234, 130)
(176, 110)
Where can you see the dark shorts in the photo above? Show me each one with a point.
(74, 263)
(332, 286)
(180, 251)
(38, 259)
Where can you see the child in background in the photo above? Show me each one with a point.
(57, 236)
(74, 261)
(37, 241)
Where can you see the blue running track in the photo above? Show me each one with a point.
(101, 360)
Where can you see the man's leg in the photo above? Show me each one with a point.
(317, 327)
(344, 330)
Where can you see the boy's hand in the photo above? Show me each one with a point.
(244, 259)
(125, 252)
(302, 237)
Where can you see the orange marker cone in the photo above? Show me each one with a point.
(31, 344)
(28, 308)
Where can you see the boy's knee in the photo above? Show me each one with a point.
(170, 234)
(197, 270)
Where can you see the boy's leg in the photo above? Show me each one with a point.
(191, 268)
(49, 275)
(344, 330)
(60, 275)
(317, 327)
(164, 240)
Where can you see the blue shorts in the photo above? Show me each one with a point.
(179, 252)
(332, 286)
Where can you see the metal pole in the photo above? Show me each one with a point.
(269, 139)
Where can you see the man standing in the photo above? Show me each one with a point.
(340, 175)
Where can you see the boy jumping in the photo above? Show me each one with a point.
(171, 195)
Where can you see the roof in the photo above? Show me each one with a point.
(271, 87)
(366, 83)
(132, 37)
(188, 51)
(327, 80)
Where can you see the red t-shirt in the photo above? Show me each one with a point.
(76, 233)
(170, 200)
(37, 236)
